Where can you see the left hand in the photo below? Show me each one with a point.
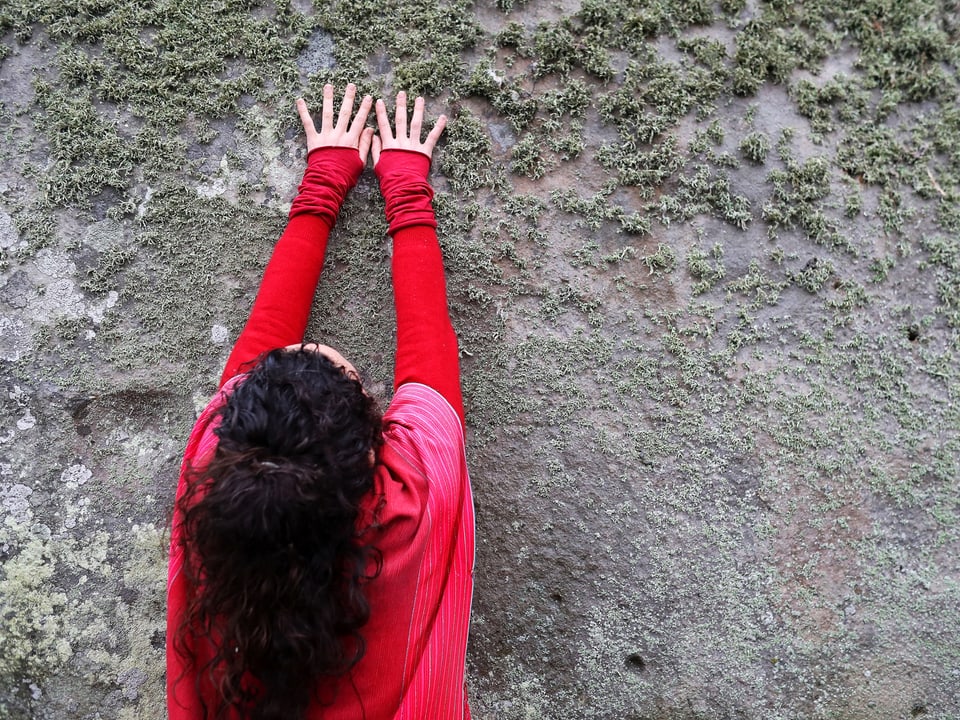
(344, 133)
(404, 139)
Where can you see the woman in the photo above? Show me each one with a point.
(322, 555)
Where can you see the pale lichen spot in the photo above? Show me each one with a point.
(27, 422)
(76, 475)
(15, 339)
(219, 334)
(15, 502)
(97, 311)
(8, 232)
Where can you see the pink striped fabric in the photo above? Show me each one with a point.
(416, 639)
(432, 440)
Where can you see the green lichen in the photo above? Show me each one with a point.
(527, 158)
(814, 274)
(796, 202)
(839, 101)
(705, 192)
(758, 286)
(767, 51)
(944, 263)
(707, 269)
(421, 41)
(643, 169)
(33, 639)
(661, 261)
(755, 147)
(465, 157)
(506, 96)
(597, 210)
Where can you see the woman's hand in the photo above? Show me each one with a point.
(344, 133)
(402, 141)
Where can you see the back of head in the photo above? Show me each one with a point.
(271, 539)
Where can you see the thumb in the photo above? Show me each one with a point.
(376, 146)
(364, 147)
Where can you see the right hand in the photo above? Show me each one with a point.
(386, 140)
(343, 133)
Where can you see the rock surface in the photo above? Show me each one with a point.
(704, 261)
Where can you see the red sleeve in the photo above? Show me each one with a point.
(280, 312)
(427, 349)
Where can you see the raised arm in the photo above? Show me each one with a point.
(427, 349)
(335, 158)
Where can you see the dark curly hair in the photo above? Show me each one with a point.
(271, 541)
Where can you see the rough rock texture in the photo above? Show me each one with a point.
(704, 260)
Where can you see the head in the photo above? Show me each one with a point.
(271, 537)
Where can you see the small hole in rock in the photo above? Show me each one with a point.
(636, 663)
(918, 710)
(913, 332)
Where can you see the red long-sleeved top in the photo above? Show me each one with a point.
(420, 602)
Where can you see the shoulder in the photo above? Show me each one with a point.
(423, 428)
(419, 413)
(202, 439)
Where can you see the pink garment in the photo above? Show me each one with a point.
(414, 665)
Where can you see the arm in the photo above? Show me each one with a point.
(336, 156)
(427, 349)
(280, 312)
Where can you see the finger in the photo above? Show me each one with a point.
(346, 107)
(305, 117)
(375, 147)
(326, 116)
(435, 134)
(366, 138)
(401, 118)
(416, 122)
(383, 121)
(360, 119)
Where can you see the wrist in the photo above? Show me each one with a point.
(345, 161)
(330, 174)
(402, 162)
(407, 193)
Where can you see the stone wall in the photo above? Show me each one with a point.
(704, 262)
